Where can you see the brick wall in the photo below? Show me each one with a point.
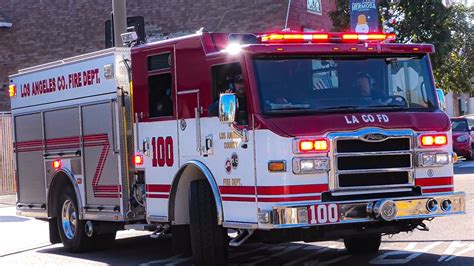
(48, 30)
(300, 17)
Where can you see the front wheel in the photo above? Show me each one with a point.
(364, 244)
(209, 241)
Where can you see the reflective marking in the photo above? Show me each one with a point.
(410, 251)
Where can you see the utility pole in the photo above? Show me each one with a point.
(119, 15)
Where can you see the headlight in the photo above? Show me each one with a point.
(310, 165)
(434, 159)
(462, 139)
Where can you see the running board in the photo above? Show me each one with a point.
(161, 231)
(140, 227)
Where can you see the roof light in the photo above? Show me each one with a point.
(138, 159)
(355, 37)
(294, 37)
(12, 90)
(433, 140)
(325, 37)
(233, 48)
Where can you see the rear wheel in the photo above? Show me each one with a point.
(363, 244)
(72, 230)
(209, 241)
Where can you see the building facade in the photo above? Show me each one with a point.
(34, 32)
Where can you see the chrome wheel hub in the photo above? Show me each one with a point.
(69, 219)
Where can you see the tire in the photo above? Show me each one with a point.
(366, 244)
(209, 241)
(181, 241)
(71, 231)
(74, 237)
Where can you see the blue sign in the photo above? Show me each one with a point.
(364, 16)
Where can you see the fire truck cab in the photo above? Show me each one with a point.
(282, 137)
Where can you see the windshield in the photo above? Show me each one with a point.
(331, 84)
(459, 125)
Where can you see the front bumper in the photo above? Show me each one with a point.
(360, 211)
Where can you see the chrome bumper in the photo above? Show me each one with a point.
(360, 211)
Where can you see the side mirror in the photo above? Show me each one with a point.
(228, 105)
(441, 99)
(471, 129)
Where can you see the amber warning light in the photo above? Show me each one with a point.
(434, 140)
(12, 90)
(316, 145)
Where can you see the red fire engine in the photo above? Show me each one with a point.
(281, 137)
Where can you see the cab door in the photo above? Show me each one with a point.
(229, 155)
(156, 128)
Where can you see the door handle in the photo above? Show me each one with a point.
(208, 144)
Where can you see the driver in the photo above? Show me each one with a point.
(239, 89)
(364, 85)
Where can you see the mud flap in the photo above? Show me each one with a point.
(53, 231)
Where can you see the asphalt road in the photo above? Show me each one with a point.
(450, 241)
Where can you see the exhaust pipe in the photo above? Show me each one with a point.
(89, 228)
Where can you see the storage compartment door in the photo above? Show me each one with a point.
(101, 161)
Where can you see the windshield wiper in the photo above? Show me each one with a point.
(391, 106)
(339, 108)
(290, 108)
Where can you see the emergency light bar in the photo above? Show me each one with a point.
(326, 37)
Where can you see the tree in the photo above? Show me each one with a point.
(450, 30)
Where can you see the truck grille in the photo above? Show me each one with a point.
(373, 179)
(373, 165)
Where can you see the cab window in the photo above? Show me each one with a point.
(159, 95)
(228, 78)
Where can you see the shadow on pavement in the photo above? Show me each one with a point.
(146, 251)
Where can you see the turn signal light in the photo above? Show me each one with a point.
(138, 159)
(57, 164)
(12, 90)
(434, 140)
(277, 166)
(317, 145)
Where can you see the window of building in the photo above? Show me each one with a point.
(160, 95)
(314, 6)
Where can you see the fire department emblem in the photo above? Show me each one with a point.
(234, 159)
(228, 166)
(183, 124)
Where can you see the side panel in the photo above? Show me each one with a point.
(101, 161)
(29, 152)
